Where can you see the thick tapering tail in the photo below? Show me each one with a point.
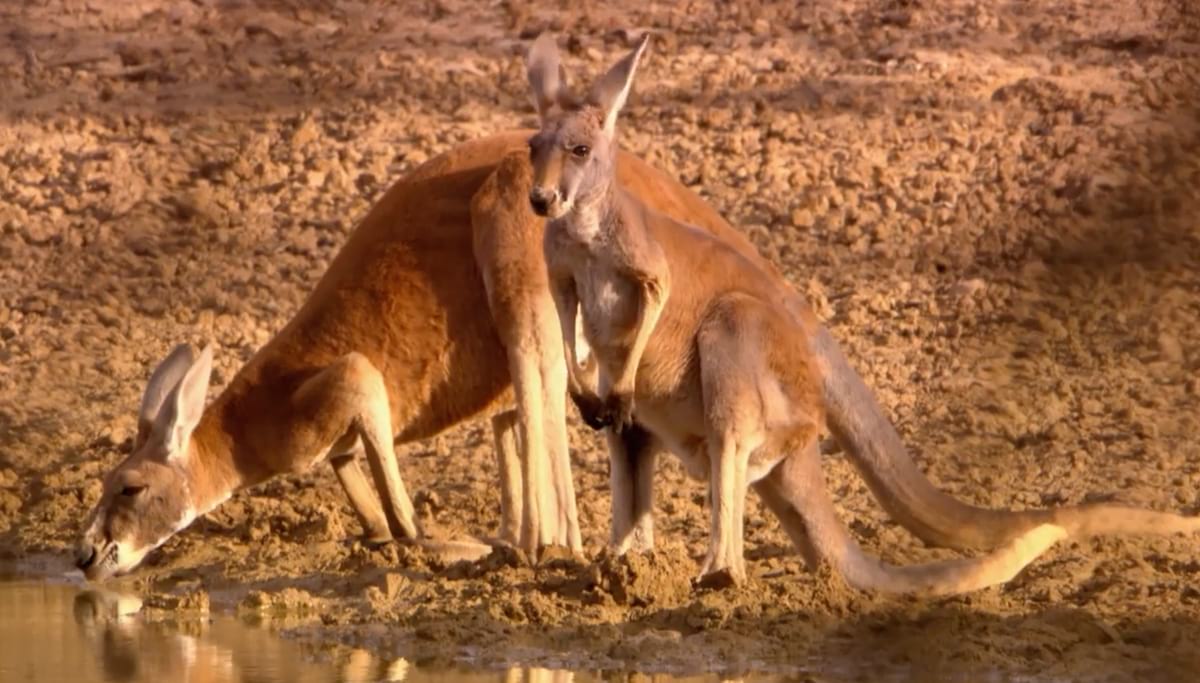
(859, 424)
(810, 515)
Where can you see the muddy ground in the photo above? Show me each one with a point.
(993, 205)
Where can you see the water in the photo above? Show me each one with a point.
(59, 632)
(51, 632)
(57, 629)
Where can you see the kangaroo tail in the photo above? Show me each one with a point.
(859, 424)
(810, 515)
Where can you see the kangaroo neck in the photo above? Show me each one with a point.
(597, 217)
(220, 463)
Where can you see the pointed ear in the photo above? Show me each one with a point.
(184, 405)
(164, 378)
(610, 91)
(546, 75)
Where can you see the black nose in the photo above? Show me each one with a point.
(84, 556)
(540, 201)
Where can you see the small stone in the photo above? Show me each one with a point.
(156, 135)
(315, 179)
(305, 133)
(969, 288)
(1169, 347)
(802, 218)
(392, 583)
(108, 316)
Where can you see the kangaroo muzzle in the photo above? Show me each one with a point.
(85, 555)
(542, 199)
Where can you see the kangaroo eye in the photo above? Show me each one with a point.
(581, 151)
(131, 491)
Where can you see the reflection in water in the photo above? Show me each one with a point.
(129, 649)
(56, 633)
(101, 618)
(53, 632)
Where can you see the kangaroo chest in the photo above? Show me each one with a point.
(609, 305)
(608, 299)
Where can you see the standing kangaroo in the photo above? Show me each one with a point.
(599, 252)
(704, 360)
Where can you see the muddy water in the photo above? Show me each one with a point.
(51, 632)
(57, 631)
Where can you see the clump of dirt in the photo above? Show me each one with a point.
(993, 207)
(195, 600)
(285, 601)
(660, 576)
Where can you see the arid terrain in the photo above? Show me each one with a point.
(994, 205)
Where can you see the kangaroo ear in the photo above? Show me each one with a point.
(184, 406)
(547, 77)
(609, 93)
(164, 378)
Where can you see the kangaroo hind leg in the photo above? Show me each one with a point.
(632, 452)
(508, 461)
(362, 499)
(348, 399)
(733, 374)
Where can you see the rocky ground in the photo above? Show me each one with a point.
(993, 205)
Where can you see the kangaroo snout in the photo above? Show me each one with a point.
(542, 199)
(85, 555)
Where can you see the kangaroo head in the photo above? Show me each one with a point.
(147, 498)
(574, 153)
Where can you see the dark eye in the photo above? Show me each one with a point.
(131, 491)
(581, 151)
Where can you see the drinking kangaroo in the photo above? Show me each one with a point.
(688, 341)
(391, 344)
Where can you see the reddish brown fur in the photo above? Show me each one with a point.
(406, 293)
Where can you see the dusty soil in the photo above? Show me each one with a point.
(993, 205)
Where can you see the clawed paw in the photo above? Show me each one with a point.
(591, 409)
(618, 410)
